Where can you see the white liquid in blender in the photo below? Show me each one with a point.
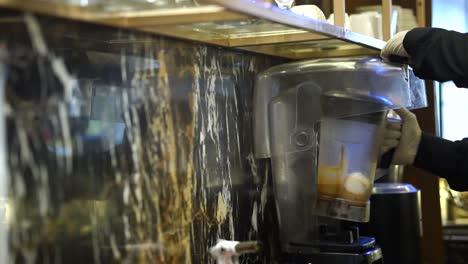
(356, 188)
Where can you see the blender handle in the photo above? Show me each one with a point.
(398, 59)
(386, 159)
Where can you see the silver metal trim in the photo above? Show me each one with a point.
(393, 188)
(275, 14)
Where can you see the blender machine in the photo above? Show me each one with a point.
(321, 123)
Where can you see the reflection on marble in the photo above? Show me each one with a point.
(129, 148)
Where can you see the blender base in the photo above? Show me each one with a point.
(363, 251)
(373, 256)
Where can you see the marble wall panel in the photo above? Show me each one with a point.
(129, 148)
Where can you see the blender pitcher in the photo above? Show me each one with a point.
(348, 154)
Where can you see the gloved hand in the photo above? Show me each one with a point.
(404, 137)
(395, 47)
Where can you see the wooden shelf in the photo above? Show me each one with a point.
(243, 24)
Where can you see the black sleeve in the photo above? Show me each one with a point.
(444, 158)
(438, 54)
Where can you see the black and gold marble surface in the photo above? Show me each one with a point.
(129, 148)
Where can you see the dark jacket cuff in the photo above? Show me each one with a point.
(437, 54)
(440, 156)
(434, 152)
(414, 38)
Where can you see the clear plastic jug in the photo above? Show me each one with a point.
(348, 154)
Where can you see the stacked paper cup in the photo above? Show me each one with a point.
(402, 18)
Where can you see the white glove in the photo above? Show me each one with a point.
(395, 47)
(404, 137)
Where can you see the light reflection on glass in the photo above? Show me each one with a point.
(5, 211)
(284, 4)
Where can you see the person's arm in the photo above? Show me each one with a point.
(438, 54)
(444, 158)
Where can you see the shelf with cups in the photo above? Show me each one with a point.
(257, 26)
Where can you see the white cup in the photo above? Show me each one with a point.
(366, 23)
(311, 11)
(347, 25)
(370, 23)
